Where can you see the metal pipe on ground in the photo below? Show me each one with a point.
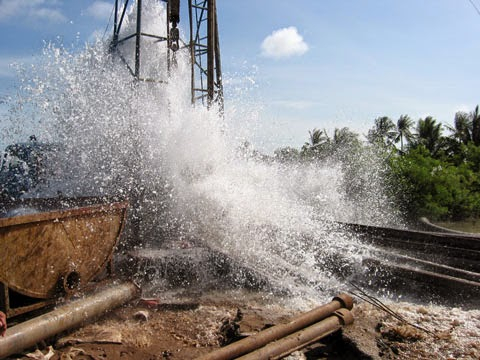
(300, 339)
(30, 332)
(276, 332)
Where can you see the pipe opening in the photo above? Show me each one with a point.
(71, 282)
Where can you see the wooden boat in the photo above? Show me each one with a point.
(50, 246)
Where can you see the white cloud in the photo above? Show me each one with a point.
(284, 43)
(45, 10)
(100, 10)
(50, 15)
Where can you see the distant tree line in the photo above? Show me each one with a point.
(430, 169)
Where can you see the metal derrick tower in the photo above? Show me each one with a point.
(203, 45)
(205, 52)
(129, 43)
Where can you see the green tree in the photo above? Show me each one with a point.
(404, 126)
(461, 136)
(465, 131)
(344, 144)
(429, 134)
(316, 144)
(475, 121)
(462, 130)
(466, 127)
(316, 138)
(471, 157)
(433, 187)
(344, 137)
(287, 154)
(383, 133)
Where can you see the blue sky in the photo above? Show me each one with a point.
(315, 63)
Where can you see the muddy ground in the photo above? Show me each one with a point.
(187, 327)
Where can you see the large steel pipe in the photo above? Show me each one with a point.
(30, 332)
(302, 338)
(262, 338)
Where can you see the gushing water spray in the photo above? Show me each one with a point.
(146, 140)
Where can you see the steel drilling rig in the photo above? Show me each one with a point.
(203, 46)
(133, 41)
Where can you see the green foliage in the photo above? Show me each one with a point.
(429, 135)
(471, 153)
(321, 146)
(427, 173)
(317, 146)
(434, 188)
(404, 133)
(383, 133)
(287, 154)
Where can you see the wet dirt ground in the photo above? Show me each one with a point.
(187, 327)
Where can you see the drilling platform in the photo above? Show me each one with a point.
(203, 46)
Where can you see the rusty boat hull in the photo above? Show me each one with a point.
(55, 243)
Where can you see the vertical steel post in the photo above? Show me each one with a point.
(169, 63)
(218, 64)
(138, 38)
(192, 51)
(210, 52)
(115, 24)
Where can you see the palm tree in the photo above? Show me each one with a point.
(344, 137)
(404, 124)
(429, 134)
(317, 138)
(462, 130)
(321, 145)
(475, 121)
(384, 131)
(287, 154)
(344, 144)
(466, 127)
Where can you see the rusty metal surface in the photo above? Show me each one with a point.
(39, 249)
(276, 332)
(68, 316)
(302, 338)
